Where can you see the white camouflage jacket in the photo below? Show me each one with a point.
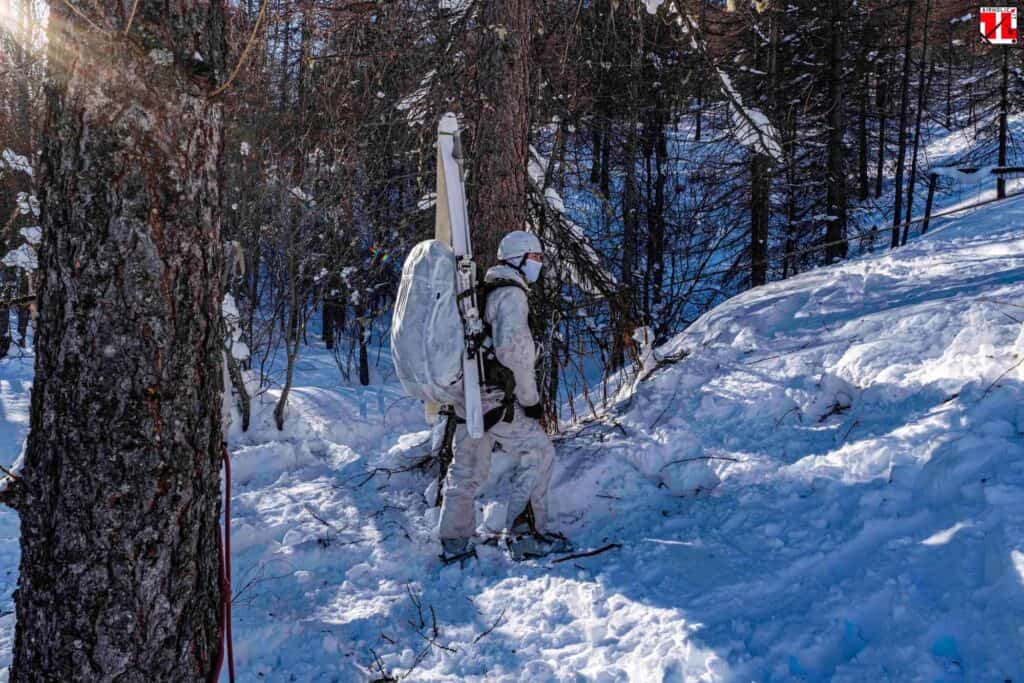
(508, 311)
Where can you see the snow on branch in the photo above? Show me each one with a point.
(15, 162)
(414, 104)
(576, 259)
(22, 257)
(751, 127)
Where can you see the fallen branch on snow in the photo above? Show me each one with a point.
(699, 457)
(999, 378)
(576, 556)
(493, 626)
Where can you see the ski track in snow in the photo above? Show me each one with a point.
(827, 486)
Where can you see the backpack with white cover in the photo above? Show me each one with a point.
(427, 337)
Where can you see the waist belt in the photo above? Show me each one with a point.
(504, 412)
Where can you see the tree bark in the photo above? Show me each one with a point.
(836, 181)
(901, 158)
(921, 92)
(120, 576)
(760, 211)
(595, 161)
(499, 123)
(882, 92)
(1004, 111)
(949, 76)
(622, 322)
(656, 221)
(862, 131)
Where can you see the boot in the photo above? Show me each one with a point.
(456, 550)
(533, 545)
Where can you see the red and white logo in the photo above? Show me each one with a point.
(999, 25)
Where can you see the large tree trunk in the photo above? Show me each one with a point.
(119, 497)
(499, 121)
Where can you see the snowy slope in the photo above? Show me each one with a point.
(823, 482)
(860, 520)
(865, 520)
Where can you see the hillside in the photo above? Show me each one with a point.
(822, 481)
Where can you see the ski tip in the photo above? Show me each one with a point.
(449, 124)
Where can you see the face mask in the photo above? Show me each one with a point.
(531, 269)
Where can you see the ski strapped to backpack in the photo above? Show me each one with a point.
(440, 343)
(495, 375)
(453, 223)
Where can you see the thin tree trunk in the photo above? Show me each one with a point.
(286, 51)
(862, 134)
(901, 153)
(1004, 111)
(364, 359)
(5, 321)
(789, 259)
(630, 209)
(882, 86)
(699, 117)
(291, 323)
(605, 182)
(656, 223)
(305, 47)
(238, 382)
(621, 323)
(949, 77)
(760, 209)
(921, 91)
(119, 497)
(836, 177)
(761, 170)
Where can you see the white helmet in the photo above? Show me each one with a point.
(515, 245)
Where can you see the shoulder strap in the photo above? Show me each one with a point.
(497, 375)
(488, 287)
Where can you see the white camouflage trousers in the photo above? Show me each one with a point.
(523, 438)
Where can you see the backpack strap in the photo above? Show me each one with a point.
(487, 287)
(496, 375)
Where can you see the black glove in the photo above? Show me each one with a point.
(534, 412)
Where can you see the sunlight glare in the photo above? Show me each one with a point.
(8, 18)
(25, 23)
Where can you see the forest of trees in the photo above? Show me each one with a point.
(669, 154)
(699, 151)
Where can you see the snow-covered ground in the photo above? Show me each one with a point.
(824, 481)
